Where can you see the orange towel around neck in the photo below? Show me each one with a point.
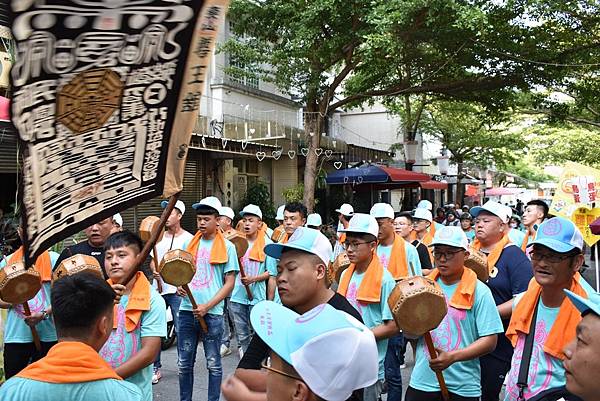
(398, 265)
(342, 238)
(139, 302)
(528, 234)
(285, 239)
(370, 287)
(495, 253)
(464, 296)
(257, 252)
(69, 362)
(218, 252)
(563, 329)
(42, 265)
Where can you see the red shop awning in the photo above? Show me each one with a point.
(433, 184)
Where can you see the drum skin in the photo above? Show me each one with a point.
(177, 267)
(18, 284)
(239, 240)
(147, 226)
(278, 234)
(418, 305)
(77, 264)
(340, 264)
(477, 261)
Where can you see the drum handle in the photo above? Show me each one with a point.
(412, 269)
(243, 274)
(159, 285)
(438, 374)
(34, 333)
(201, 320)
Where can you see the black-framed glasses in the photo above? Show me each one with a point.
(354, 245)
(552, 258)
(446, 255)
(267, 365)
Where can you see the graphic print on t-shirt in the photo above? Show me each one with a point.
(448, 335)
(204, 270)
(36, 304)
(116, 350)
(351, 295)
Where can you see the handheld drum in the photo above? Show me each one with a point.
(338, 266)
(477, 261)
(278, 234)
(77, 264)
(177, 268)
(147, 226)
(17, 286)
(241, 247)
(418, 306)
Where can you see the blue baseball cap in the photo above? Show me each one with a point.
(321, 334)
(558, 234)
(585, 305)
(304, 239)
(451, 236)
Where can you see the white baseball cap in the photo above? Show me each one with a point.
(251, 209)
(304, 239)
(280, 211)
(227, 212)
(324, 333)
(178, 205)
(451, 236)
(382, 210)
(118, 219)
(346, 209)
(363, 224)
(422, 214)
(495, 208)
(209, 202)
(314, 219)
(425, 204)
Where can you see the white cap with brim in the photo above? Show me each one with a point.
(314, 220)
(451, 236)
(583, 305)
(227, 212)
(333, 353)
(253, 210)
(422, 214)
(210, 204)
(304, 239)
(118, 219)
(362, 223)
(495, 208)
(425, 204)
(280, 211)
(178, 205)
(346, 209)
(382, 211)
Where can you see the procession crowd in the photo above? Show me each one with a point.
(319, 318)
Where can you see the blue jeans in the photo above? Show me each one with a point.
(173, 301)
(226, 318)
(190, 333)
(392, 362)
(241, 321)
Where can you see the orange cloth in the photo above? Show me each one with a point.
(69, 362)
(342, 238)
(370, 287)
(398, 266)
(528, 234)
(464, 296)
(42, 265)
(218, 252)
(285, 239)
(495, 253)
(257, 252)
(139, 302)
(563, 329)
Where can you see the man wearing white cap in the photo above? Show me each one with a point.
(117, 221)
(174, 237)
(402, 260)
(427, 205)
(216, 267)
(345, 213)
(469, 330)
(314, 221)
(368, 285)
(257, 268)
(225, 219)
(423, 232)
(299, 344)
(510, 272)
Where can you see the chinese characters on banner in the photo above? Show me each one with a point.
(105, 96)
(583, 218)
(578, 186)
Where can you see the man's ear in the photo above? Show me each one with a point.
(301, 391)
(577, 263)
(321, 270)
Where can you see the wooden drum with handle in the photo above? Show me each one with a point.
(177, 268)
(77, 264)
(17, 286)
(477, 261)
(241, 247)
(336, 268)
(147, 226)
(278, 234)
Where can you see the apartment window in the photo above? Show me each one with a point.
(238, 64)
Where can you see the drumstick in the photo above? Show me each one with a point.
(34, 333)
(243, 274)
(158, 281)
(438, 374)
(412, 269)
(201, 320)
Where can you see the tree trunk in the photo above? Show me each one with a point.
(460, 187)
(313, 123)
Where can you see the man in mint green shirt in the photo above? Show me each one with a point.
(73, 370)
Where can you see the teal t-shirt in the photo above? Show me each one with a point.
(470, 235)
(122, 345)
(254, 268)
(516, 236)
(412, 256)
(20, 389)
(209, 279)
(16, 330)
(373, 314)
(459, 329)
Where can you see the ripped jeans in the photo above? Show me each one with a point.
(188, 337)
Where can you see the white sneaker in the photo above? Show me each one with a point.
(156, 376)
(225, 350)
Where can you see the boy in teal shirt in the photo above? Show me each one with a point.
(73, 370)
(367, 286)
(468, 331)
(140, 315)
